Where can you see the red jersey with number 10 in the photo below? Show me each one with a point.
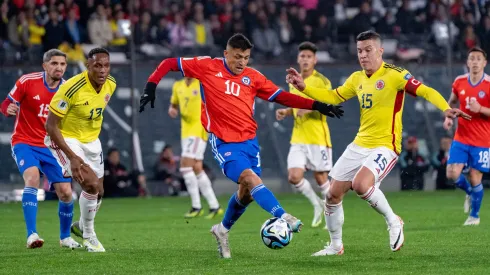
(228, 100)
(33, 95)
(474, 132)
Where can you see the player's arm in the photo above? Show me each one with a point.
(173, 109)
(10, 105)
(283, 113)
(190, 67)
(337, 96)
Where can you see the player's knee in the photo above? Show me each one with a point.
(90, 185)
(475, 177)
(31, 178)
(64, 192)
(100, 189)
(248, 179)
(361, 186)
(295, 178)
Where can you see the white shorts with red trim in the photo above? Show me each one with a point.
(380, 161)
(310, 157)
(91, 153)
(193, 148)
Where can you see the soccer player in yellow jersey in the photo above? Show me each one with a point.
(187, 98)
(73, 126)
(311, 147)
(380, 89)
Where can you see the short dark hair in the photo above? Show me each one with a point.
(95, 51)
(112, 150)
(51, 53)
(368, 35)
(478, 49)
(307, 46)
(239, 41)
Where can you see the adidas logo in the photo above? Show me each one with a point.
(86, 103)
(37, 97)
(219, 74)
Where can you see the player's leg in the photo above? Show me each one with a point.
(480, 163)
(297, 160)
(29, 166)
(366, 184)
(187, 162)
(459, 154)
(77, 227)
(325, 164)
(207, 191)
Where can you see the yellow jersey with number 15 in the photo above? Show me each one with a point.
(188, 98)
(311, 128)
(381, 97)
(81, 107)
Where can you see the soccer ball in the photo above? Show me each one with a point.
(276, 233)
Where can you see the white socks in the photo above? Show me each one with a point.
(378, 201)
(80, 222)
(88, 209)
(207, 190)
(324, 187)
(192, 186)
(305, 188)
(334, 217)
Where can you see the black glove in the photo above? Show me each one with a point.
(148, 96)
(328, 109)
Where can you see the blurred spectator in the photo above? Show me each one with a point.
(413, 166)
(284, 29)
(87, 8)
(160, 35)
(386, 25)
(166, 169)
(217, 30)
(362, 21)
(441, 31)
(99, 28)
(325, 33)
(119, 41)
(405, 18)
(4, 21)
(439, 161)
(485, 34)
(72, 38)
(469, 38)
(265, 38)
(180, 35)
(142, 30)
(54, 31)
(201, 31)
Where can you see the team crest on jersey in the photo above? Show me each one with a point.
(407, 76)
(194, 92)
(62, 105)
(380, 84)
(227, 154)
(481, 94)
(107, 97)
(21, 162)
(246, 80)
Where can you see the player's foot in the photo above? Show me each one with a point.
(69, 242)
(194, 212)
(472, 221)
(214, 212)
(34, 241)
(318, 216)
(92, 244)
(295, 223)
(330, 250)
(397, 238)
(76, 229)
(221, 235)
(467, 204)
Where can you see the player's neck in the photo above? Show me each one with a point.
(97, 87)
(371, 72)
(476, 77)
(305, 74)
(52, 83)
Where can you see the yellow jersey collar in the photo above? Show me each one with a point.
(378, 72)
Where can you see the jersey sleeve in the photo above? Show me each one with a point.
(337, 96)
(113, 83)
(17, 92)
(193, 66)
(266, 89)
(174, 99)
(62, 100)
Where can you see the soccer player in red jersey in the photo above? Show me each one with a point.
(471, 145)
(228, 91)
(28, 101)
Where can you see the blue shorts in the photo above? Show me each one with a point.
(27, 156)
(472, 156)
(236, 157)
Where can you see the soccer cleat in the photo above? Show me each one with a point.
(214, 212)
(76, 229)
(397, 238)
(69, 242)
(329, 250)
(34, 241)
(467, 204)
(221, 235)
(92, 244)
(296, 224)
(318, 216)
(472, 221)
(194, 212)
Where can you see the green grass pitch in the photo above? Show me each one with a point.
(151, 237)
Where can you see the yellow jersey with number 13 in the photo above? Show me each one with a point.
(188, 98)
(81, 107)
(381, 97)
(311, 128)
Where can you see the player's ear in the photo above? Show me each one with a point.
(225, 53)
(44, 66)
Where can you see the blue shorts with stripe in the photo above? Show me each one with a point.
(27, 156)
(473, 157)
(236, 157)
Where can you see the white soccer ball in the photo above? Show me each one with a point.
(276, 233)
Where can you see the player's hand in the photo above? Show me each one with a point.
(173, 112)
(448, 123)
(328, 109)
(294, 78)
(12, 109)
(455, 112)
(281, 114)
(475, 107)
(148, 96)
(76, 164)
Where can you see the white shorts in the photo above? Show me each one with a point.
(378, 160)
(193, 148)
(91, 153)
(312, 157)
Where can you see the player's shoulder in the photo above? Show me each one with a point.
(486, 78)
(31, 77)
(396, 73)
(461, 78)
(112, 82)
(321, 78)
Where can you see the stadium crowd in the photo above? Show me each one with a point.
(169, 27)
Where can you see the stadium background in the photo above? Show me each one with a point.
(428, 37)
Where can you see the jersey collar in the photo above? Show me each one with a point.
(477, 83)
(376, 73)
(47, 86)
(89, 84)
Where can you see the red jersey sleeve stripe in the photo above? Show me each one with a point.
(179, 64)
(396, 108)
(340, 95)
(274, 95)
